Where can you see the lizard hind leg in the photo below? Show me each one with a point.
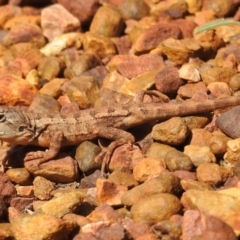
(120, 138)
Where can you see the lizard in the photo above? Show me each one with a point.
(111, 122)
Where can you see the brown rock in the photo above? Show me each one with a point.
(25, 191)
(7, 12)
(153, 36)
(15, 90)
(220, 9)
(227, 119)
(21, 203)
(113, 232)
(179, 51)
(199, 155)
(83, 236)
(104, 213)
(155, 208)
(81, 9)
(85, 155)
(6, 231)
(167, 80)
(62, 169)
(218, 89)
(173, 131)
(189, 72)
(83, 90)
(42, 188)
(222, 204)
(186, 25)
(80, 220)
(164, 183)
(123, 44)
(185, 175)
(100, 45)
(158, 150)
(25, 32)
(190, 89)
(20, 176)
(143, 63)
(212, 173)
(122, 178)
(63, 204)
(191, 184)
(107, 22)
(234, 83)
(109, 193)
(56, 20)
(34, 227)
(134, 9)
(148, 168)
(7, 190)
(176, 160)
(90, 180)
(202, 226)
(28, 52)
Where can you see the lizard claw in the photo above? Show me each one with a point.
(38, 155)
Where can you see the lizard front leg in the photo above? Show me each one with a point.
(119, 136)
(54, 147)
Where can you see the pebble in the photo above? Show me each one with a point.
(173, 131)
(42, 188)
(156, 207)
(20, 176)
(164, 183)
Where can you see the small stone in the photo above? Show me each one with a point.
(115, 231)
(217, 74)
(104, 213)
(109, 193)
(222, 204)
(189, 72)
(234, 83)
(158, 150)
(197, 121)
(191, 89)
(147, 168)
(218, 89)
(185, 175)
(232, 155)
(134, 9)
(80, 220)
(100, 45)
(193, 6)
(84, 63)
(220, 9)
(228, 122)
(62, 169)
(20, 176)
(155, 208)
(83, 90)
(154, 35)
(6, 231)
(164, 183)
(122, 178)
(21, 203)
(42, 188)
(179, 51)
(213, 174)
(176, 160)
(56, 20)
(49, 68)
(59, 43)
(7, 12)
(167, 80)
(27, 226)
(192, 184)
(25, 32)
(107, 22)
(63, 204)
(85, 155)
(53, 87)
(202, 226)
(25, 191)
(90, 180)
(173, 131)
(199, 155)
(136, 66)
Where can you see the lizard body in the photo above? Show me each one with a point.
(54, 131)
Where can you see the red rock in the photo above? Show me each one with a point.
(21, 203)
(81, 9)
(56, 20)
(201, 226)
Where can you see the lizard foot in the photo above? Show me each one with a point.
(106, 154)
(38, 155)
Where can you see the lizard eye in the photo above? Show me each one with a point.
(21, 128)
(2, 117)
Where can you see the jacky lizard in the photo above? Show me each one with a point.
(54, 131)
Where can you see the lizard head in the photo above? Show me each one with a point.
(15, 127)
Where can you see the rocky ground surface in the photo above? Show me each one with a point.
(182, 181)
